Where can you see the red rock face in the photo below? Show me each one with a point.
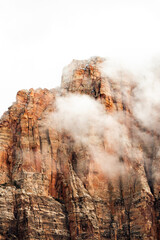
(50, 185)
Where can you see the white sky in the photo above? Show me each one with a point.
(39, 37)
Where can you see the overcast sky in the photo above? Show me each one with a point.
(39, 37)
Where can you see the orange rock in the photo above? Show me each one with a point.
(52, 188)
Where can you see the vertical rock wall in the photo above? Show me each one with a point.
(50, 186)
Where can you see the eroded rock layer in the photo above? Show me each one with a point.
(51, 187)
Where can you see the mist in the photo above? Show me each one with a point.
(142, 85)
(113, 136)
(104, 134)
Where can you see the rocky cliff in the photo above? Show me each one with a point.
(51, 187)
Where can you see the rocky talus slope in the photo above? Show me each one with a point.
(51, 187)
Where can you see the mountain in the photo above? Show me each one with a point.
(82, 168)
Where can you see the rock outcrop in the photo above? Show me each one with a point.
(51, 187)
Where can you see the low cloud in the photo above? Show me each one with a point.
(86, 120)
(114, 137)
(142, 86)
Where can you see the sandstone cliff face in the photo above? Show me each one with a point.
(51, 187)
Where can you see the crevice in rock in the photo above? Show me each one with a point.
(40, 141)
